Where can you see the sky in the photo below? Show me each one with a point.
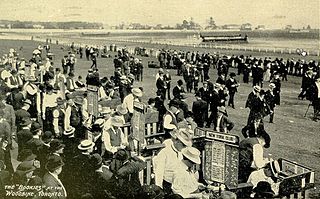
(272, 13)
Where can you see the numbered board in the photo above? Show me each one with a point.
(220, 156)
(138, 121)
(92, 93)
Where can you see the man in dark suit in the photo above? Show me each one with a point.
(81, 166)
(22, 113)
(215, 102)
(307, 81)
(100, 178)
(182, 104)
(277, 89)
(255, 103)
(161, 86)
(177, 90)
(270, 100)
(232, 85)
(24, 135)
(188, 77)
(35, 144)
(200, 110)
(205, 92)
(51, 178)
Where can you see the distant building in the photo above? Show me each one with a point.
(231, 27)
(246, 26)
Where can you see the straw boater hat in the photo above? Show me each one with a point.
(272, 85)
(69, 131)
(121, 109)
(85, 145)
(117, 121)
(257, 88)
(191, 154)
(137, 92)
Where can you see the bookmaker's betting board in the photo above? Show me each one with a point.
(220, 156)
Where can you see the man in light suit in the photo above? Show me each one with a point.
(51, 178)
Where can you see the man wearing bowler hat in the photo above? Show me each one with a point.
(232, 86)
(255, 103)
(167, 160)
(270, 100)
(22, 113)
(215, 102)
(100, 178)
(35, 143)
(51, 179)
(24, 135)
(200, 110)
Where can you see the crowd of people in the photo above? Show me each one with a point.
(72, 151)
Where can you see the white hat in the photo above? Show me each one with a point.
(257, 88)
(85, 145)
(137, 92)
(191, 154)
(69, 131)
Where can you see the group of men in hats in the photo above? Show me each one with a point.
(46, 113)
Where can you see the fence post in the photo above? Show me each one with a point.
(289, 51)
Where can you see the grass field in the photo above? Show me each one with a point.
(293, 136)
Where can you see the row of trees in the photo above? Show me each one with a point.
(51, 25)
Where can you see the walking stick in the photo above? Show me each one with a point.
(307, 109)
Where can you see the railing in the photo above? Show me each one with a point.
(194, 45)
